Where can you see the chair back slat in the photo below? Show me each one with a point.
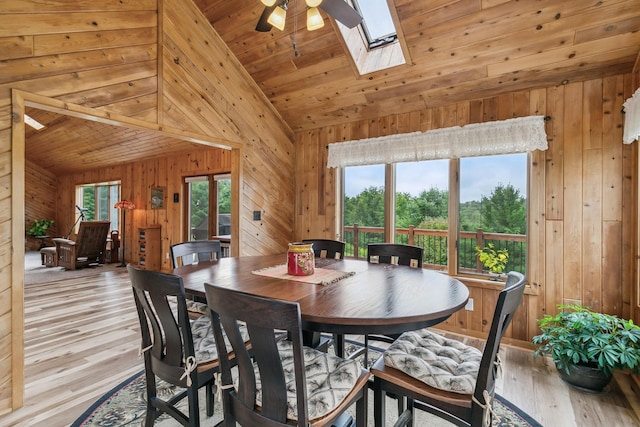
(202, 250)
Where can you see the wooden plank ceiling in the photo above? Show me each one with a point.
(458, 50)
(70, 144)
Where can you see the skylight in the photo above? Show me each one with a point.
(377, 23)
(376, 44)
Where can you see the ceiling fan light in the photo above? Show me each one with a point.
(313, 3)
(314, 19)
(277, 18)
(268, 3)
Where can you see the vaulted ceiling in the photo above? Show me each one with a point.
(457, 50)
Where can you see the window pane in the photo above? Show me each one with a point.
(102, 200)
(114, 194)
(224, 206)
(199, 209)
(422, 201)
(493, 209)
(364, 206)
(89, 202)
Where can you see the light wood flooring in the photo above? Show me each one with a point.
(81, 340)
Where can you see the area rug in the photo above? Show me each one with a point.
(125, 405)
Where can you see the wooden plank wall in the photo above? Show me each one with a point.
(94, 53)
(40, 201)
(202, 80)
(111, 55)
(167, 172)
(583, 196)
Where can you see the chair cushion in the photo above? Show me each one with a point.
(329, 380)
(204, 344)
(196, 307)
(442, 363)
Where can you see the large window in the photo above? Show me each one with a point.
(448, 207)
(96, 202)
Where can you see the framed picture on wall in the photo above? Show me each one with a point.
(157, 198)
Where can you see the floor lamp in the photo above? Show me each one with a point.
(124, 205)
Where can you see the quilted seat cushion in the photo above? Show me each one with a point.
(439, 362)
(204, 344)
(196, 307)
(329, 380)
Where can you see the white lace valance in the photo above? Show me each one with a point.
(518, 135)
(632, 118)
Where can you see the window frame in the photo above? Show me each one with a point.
(112, 213)
(370, 41)
(213, 223)
(452, 267)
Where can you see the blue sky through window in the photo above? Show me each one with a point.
(485, 174)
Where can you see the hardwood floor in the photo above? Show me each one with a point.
(81, 339)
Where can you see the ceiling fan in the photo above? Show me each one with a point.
(275, 12)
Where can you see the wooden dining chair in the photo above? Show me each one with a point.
(176, 350)
(284, 383)
(443, 376)
(395, 253)
(389, 253)
(186, 253)
(327, 248)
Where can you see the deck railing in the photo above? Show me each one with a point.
(435, 243)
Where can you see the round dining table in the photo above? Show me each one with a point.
(347, 296)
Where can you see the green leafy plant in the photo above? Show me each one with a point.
(494, 260)
(40, 227)
(579, 336)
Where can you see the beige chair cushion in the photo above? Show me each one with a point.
(439, 362)
(329, 380)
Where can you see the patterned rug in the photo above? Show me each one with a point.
(125, 406)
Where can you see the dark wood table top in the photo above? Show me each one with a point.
(378, 298)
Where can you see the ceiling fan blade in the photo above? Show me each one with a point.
(342, 12)
(263, 25)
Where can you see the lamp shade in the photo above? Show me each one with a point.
(314, 19)
(268, 3)
(277, 18)
(124, 204)
(312, 3)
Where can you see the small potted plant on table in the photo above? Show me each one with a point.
(588, 346)
(39, 230)
(494, 260)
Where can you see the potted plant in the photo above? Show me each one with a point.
(494, 260)
(40, 227)
(588, 346)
